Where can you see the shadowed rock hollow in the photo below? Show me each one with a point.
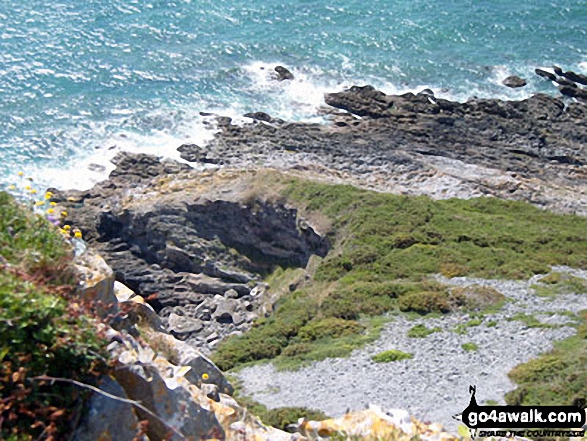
(198, 249)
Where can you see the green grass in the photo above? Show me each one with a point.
(41, 332)
(532, 322)
(469, 347)
(558, 377)
(421, 331)
(391, 355)
(464, 327)
(385, 247)
(557, 283)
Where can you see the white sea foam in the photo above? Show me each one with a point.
(85, 168)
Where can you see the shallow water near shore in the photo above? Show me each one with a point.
(83, 80)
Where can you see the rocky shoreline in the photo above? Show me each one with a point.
(197, 242)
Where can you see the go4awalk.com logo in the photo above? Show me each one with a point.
(544, 421)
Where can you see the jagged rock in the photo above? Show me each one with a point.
(283, 74)
(514, 81)
(107, 419)
(96, 286)
(545, 74)
(573, 92)
(225, 310)
(195, 153)
(575, 77)
(177, 411)
(361, 101)
(557, 70)
(564, 82)
(259, 116)
(183, 325)
(210, 285)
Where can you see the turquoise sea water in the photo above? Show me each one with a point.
(80, 80)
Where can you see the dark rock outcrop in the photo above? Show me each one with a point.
(575, 77)
(283, 74)
(514, 81)
(545, 74)
(197, 256)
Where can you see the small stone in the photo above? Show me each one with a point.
(231, 294)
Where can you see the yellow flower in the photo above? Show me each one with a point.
(20, 173)
(53, 204)
(33, 191)
(77, 233)
(205, 376)
(67, 227)
(48, 195)
(28, 187)
(50, 211)
(64, 231)
(12, 187)
(64, 213)
(39, 203)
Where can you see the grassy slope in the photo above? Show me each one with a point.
(40, 332)
(384, 247)
(556, 378)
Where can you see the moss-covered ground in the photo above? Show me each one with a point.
(42, 332)
(384, 250)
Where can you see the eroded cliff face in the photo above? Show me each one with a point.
(198, 246)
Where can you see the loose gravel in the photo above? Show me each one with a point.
(433, 385)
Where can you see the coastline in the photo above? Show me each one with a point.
(200, 244)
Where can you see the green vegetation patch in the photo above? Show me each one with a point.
(384, 248)
(531, 321)
(391, 355)
(556, 378)
(42, 331)
(557, 283)
(421, 331)
(469, 347)
(464, 327)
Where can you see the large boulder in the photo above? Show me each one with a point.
(514, 82)
(108, 419)
(96, 284)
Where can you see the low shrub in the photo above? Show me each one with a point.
(556, 378)
(282, 417)
(329, 327)
(469, 347)
(425, 302)
(391, 355)
(421, 331)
